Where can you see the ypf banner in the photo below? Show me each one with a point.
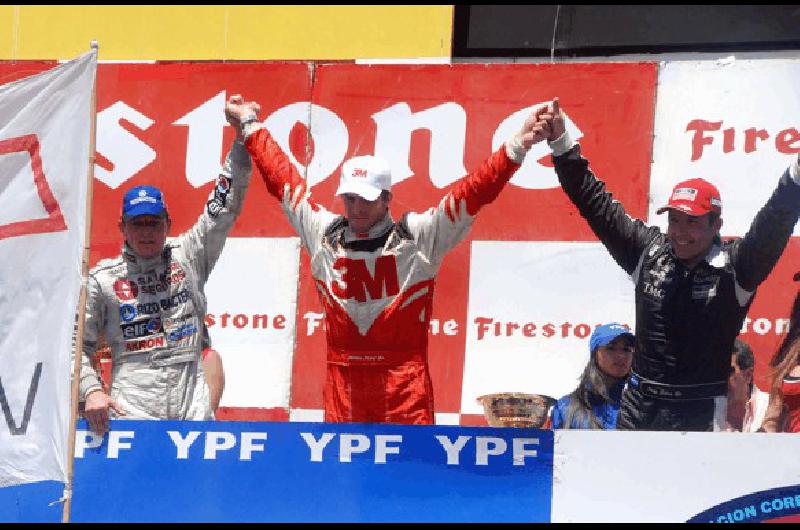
(44, 158)
(182, 471)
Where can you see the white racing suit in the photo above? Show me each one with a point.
(151, 311)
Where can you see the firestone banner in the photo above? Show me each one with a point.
(516, 301)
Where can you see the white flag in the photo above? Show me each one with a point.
(45, 124)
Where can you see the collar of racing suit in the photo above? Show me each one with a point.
(377, 230)
(716, 257)
(143, 264)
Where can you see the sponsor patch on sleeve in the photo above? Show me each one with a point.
(217, 203)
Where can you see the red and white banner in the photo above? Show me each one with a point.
(516, 301)
(45, 124)
(163, 124)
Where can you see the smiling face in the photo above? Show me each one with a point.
(362, 214)
(692, 236)
(146, 234)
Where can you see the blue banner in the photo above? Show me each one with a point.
(150, 471)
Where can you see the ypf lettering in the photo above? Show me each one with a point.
(117, 440)
(486, 446)
(350, 444)
(216, 442)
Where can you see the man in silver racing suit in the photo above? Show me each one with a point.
(149, 304)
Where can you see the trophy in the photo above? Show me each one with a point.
(514, 409)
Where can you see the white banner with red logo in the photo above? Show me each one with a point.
(524, 333)
(45, 122)
(255, 335)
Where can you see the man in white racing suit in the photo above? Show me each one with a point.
(149, 304)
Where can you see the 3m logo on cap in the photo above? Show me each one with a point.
(360, 173)
(684, 194)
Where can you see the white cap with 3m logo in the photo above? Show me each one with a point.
(366, 176)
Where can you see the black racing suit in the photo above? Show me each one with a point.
(686, 319)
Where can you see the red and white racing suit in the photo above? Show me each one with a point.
(377, 288)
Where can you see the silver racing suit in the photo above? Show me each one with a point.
(151, 311)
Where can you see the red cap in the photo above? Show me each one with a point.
(694, 197)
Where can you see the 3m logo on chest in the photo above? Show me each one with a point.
(357, 281)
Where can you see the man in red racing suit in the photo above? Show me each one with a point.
(375, 275)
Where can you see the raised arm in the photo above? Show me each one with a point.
(282, 179)
(755, 255)
(205, 240)
(439, 229)
(624, 237)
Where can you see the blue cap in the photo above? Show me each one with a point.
(143, 200)
(605, 334)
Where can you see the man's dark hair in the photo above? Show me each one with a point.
(744, 355)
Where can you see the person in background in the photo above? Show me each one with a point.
(740, 386)
(595, 403)
(783, 411)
